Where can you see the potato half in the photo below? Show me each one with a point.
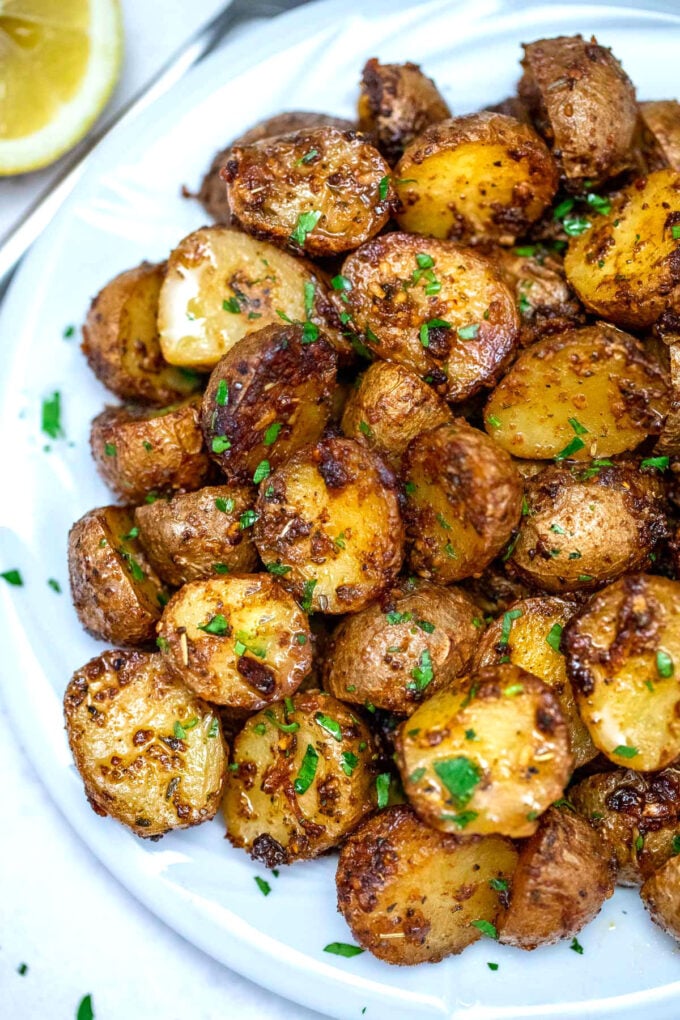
(661, 896)
(661, 134)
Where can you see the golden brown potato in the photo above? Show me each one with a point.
(463, 499)
(389, 407)
(115, 590)
(140, 452)
(412, 895)
(440, 310)
(239, 640)
(320, 190)
(626, 268)
(583, 104)
(528, 635)
(396, 652)
(149, 752)
(481, 177)
(268, 396)
(637, 815)
(585, 394)
(120, 340)
(621, 651)
(396, 103)
(328, 525)
(489, 754)
(661, 896)
(669, 437)
(563, 876)
(198, 534)
(660, 122)
(301, 779)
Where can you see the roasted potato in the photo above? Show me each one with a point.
(412, 895)
(563, 876)
(141, 452)
(660, 135)
(488, 754)
(582, 395)
(239, 641)
(583, 103)
(621, 651)
(528, 635)
(300, 779)
(668, 441)
(117, 594)
(396, 103)
(463, 499)
(268, 396)
(198, 534)
(321, 190)
(149, 752)
(494, 591)
(395, 652)
(440, 310)
(661, 896)
(328, 525)
(481, 177)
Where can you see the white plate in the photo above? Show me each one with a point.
(128, 207)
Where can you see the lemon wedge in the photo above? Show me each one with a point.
(59, 62)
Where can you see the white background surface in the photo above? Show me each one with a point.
(61, 912)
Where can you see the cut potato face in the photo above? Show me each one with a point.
(239, 641)
(582, 395)
(150, 753)
(661, 896)
(301, 778)
(411, 895)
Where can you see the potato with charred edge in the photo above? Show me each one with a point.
(660, 134)
(494, 591)
(328, 525)
(413, 642)
(120, 340)
(582, 395)
(396, 103)
(528, 635)
(623, 658)
(661, 896)
(487, 755)
(481, 177)
(626, 268)
(239, 641)
(267, 397)
(412, 895)
(583, 103)
(440, 310)
(638, 815)
(321, 191)
(198, 534)
(150, 753)
(301, 779)
(563, 876)
(463, 499)
(389, 407)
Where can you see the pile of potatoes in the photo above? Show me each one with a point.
(395, 562)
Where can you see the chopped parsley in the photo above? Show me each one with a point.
(262, 885)
(486, 928)
(85, 1010)
(624, 751)
(110, 449)
(232, 305)
(342, 949)
(554, 636)
(220, 444)
(307, 594)
(417, 775)
(292, 727)
(51, 416)
(22, 969)
(600, 204)
(348, 762)
(305, 776)
(576, 946)
(306, 222)
(675, 232)
(665, 666)
(579, 429)
(272, 433)
(512, 690)
(460, 776)
(262, 471)
(224, 505)
(492, 966)
(220, 568)
(431, 324)
(132, 565)
(308, 157)
(222, 394)
(382, 785)
(54, 585)
(247, 519)
(69, 332)
(279, 569)
(675, 844)
(468, 332)
(660, 463)
(217, 625)
(365, 429)
(383, 188)
(330, 725)
(570, 449)
(493, 421)
(12, 577)
(423, 673)
(341, 282)
(508, 620)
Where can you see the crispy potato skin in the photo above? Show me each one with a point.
(265, 814)
(623, 651)
(661, 896)
(481, 177)
(463, 499)
(583, 104)
(598, 377)
(331, 515)
(637, 814)
(669, 437)
(487, 755)
(393, 311)
(416, 627)
(409, 893)
(337, 174)
(150, 451)
(396, 103)
(114, 588)
(660, 135)
(121, 712)
(120, 339)
(187, 537)
(272, 377)
(562, 878)
(258, 650)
